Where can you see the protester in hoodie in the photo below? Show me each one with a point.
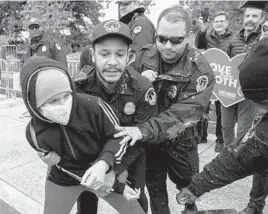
(77, 127)
(43, 44)
(250, 153)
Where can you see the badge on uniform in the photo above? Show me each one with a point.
(137, 29)
(202, 83)
(129, 108)
(58, 46)
(44, 48)
(172, 91)
(150, 96)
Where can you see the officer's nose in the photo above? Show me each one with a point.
(168, 45)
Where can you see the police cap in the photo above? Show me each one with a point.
(111, 27)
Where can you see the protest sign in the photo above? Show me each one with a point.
(227, 88)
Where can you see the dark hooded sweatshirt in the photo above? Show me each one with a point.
(87, 138)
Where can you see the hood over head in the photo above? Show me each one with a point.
(29, 78)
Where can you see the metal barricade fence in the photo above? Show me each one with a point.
(10, 75)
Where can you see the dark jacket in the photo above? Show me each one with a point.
(183, 91)
(85, 57)
(47, 46)
(87, 137)
(128, 102)
(210, 39)
(234, 163)
(142, 30)
(240, 44)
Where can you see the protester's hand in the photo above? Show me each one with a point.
(185, 196)
(264, 30)
(51, 158)
(203, 27)
(103, 191)
(133, 133)
(95, 175)
(150, 75)
(131, 194)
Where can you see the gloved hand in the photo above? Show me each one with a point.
(185, 196)
(51, 158)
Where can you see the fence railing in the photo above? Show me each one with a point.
(10, 75)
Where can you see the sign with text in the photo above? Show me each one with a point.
(227, 88)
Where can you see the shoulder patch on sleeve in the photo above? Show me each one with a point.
(57, 45)
(201, 83)
(150, 96)
(137, 29)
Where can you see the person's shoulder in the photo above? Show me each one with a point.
(196, 57)
(87, 101)
(137, 81)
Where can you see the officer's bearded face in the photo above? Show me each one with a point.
(127, 7)
(253, 17)
(220, 24)
(171, 40)
(110, 56)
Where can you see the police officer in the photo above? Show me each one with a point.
(141, 28)
(131, 96)
(250, 154)
(183, 81)
(42, 44)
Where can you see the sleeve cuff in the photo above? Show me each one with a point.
(144, 131)
(109, 158)
(193, 187)
(119, 169)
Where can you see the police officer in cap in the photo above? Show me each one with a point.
(141, 28)
(43, 44)
(131, 96)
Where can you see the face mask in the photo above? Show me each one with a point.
(58, 113)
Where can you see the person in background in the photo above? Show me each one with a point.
(141, 28)
(43, 44)
(219, 37)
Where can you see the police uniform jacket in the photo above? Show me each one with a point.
(210, 39)
(134, 102)
(88, 136)
(49, 47)
(141, 28)
(234, 163)
(240, 44)
(183, 91)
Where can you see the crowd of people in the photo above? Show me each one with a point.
(137, 110)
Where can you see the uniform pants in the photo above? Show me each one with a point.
(180, 161)
(136, 176)
(60, 200)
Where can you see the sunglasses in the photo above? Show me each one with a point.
(34, 26)
(265, 28)
(173, 40)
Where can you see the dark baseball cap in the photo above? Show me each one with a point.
(111, 27)
(262, 5)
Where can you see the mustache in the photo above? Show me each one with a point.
(112, 70)
(250, 23)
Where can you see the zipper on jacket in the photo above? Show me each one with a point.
(69, 142)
